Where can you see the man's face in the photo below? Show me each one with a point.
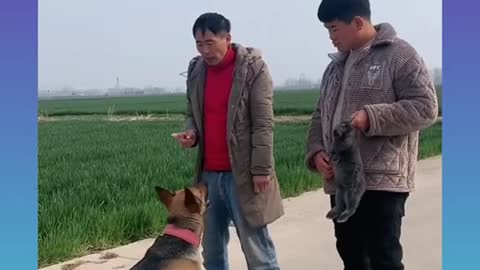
(343, 35)
(212, 47)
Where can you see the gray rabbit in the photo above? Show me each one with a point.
(349, 175)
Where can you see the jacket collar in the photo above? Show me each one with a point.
(386, 35)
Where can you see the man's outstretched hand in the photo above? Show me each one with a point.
(186, 139)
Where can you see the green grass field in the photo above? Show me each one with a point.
(96, 177)
(286, 102)
(296, 102)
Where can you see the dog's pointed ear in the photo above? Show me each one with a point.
(203, 189)
(165, 196)
(191, 202)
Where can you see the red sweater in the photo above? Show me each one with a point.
(218, 86)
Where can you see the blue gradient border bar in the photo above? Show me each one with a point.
(461, 135)
(18, 134)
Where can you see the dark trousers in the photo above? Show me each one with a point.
(370, 239)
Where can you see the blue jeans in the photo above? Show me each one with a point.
(257, 246)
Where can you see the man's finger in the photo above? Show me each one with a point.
(325, 159)
(320, 169)
(190, 133)
(185, 143)
(326, 166)
(322, 160)
(183, 135)
(354, 120)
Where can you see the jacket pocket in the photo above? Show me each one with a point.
(380, 155)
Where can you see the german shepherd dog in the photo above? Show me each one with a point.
(178, 247)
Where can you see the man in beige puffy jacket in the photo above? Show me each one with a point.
(380, 83)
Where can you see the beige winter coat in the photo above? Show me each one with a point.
(249, 131)
(392, 83)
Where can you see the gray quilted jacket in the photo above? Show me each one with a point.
(392, 83)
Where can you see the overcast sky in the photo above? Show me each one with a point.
(88, 43)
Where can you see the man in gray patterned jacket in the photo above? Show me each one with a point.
(381, 83)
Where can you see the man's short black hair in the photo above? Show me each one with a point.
(213, 22)
(343, 10)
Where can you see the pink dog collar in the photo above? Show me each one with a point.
(183, 234)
